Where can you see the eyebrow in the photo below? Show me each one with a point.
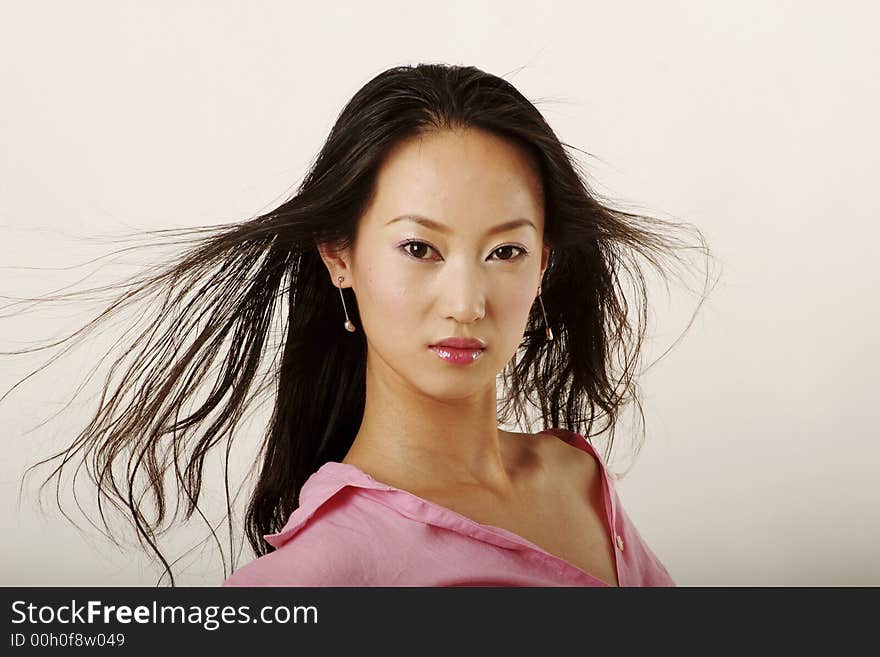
(442, 228)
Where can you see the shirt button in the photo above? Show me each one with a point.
(620, 542)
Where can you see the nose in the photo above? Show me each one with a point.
(462, 295)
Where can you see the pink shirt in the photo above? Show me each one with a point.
(351, 530)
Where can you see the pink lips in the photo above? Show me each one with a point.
(457, 356)
(458, 351)
(460, 343)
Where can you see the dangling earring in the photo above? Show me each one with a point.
(547, 330)
(348, 325)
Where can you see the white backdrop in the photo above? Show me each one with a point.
(755, 121)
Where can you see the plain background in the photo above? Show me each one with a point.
(755, 121)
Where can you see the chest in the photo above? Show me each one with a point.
(568, 521)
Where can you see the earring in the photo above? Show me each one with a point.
(348, 325)
(547, 330)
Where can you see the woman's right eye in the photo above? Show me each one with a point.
(414, 248)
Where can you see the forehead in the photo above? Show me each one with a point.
(461, 178)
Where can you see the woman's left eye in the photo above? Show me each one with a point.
(521, 250)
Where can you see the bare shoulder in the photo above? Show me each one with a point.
(578, 466)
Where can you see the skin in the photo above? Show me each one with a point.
(429, 424)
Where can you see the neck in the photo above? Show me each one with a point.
(433, 443)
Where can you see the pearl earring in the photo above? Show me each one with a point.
(348, 325)
(547, 331)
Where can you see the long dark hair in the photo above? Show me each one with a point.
(220, 297)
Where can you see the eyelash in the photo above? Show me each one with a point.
(523, 253)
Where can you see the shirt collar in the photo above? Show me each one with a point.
(323, 484)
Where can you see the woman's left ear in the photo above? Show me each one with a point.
(545, 257)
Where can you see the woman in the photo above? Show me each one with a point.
(442, 207)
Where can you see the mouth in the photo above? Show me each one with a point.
(456, 355)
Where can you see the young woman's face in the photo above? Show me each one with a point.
(417, 284)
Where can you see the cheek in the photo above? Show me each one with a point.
(386, 301)
(513, 307)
